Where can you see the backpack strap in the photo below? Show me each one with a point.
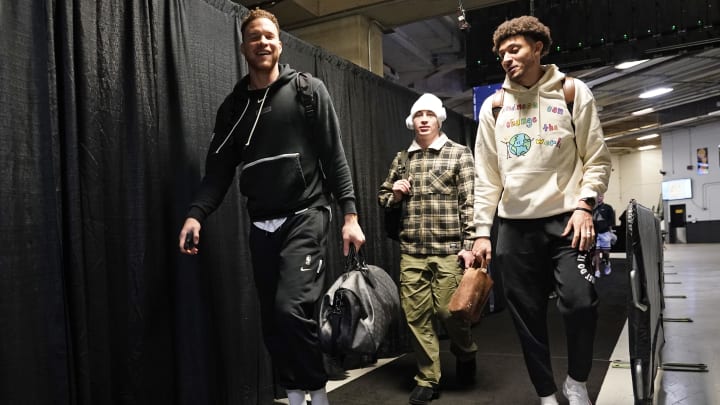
(306, 96)
(568, 85)
(497, 102)
(569, 92)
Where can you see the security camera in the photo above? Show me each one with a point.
(663, 172)
(463, 24)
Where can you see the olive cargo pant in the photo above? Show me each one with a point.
(426, 285)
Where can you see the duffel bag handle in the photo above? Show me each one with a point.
(355, 260)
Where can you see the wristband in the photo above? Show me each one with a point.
(589, 211)
(589, 201)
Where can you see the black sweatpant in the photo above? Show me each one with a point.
(289, 268)
(534, 259)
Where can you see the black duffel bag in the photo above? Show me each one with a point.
(358, 309)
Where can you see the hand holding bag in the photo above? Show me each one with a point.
(357, 310)
(471, 295)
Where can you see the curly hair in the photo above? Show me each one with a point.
(528, 26)
(254, 15)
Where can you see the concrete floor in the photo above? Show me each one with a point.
(692, 271)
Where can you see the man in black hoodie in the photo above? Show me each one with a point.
(290, 166)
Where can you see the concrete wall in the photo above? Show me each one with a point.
(635, 176)
(638, 176)
(354, 38)
(680, 161)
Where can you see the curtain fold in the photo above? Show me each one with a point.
(32, 309)
(106, 113)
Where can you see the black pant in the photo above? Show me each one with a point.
(534, 259)
(289, 268)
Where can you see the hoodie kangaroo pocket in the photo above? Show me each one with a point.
(275, 179)
(530, 193)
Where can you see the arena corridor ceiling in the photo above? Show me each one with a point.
(424, 49)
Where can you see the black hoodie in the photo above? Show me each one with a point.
(287, 163)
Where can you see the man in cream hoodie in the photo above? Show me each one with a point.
(541, 166)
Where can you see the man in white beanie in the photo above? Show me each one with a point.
(433, 182)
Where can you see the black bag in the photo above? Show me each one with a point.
(393, 215)
(358, 309)
(393, 219)
(646, 302)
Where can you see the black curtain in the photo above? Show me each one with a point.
(106, 111)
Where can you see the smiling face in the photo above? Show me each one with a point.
(261, 45)
(427, 126)
(520, 58)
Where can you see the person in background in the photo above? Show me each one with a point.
(437, 232)
(541, 166)
(290, 170)
(703, 165)
(604, 221)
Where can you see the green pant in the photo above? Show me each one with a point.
(426, 285)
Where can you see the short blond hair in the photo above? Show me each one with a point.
(254, 15)
(527, 26)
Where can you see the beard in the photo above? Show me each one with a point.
(264, 64)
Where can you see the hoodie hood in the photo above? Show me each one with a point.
(239, 99)
(548, 81)
(286, 74)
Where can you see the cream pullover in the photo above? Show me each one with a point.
(530, 163)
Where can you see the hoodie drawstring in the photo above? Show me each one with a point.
(252, 131)
(233, 128)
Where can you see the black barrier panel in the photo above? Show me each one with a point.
(646, 302)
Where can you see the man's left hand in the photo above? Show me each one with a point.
(467, 257)
(581, 223)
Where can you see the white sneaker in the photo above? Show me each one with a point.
(576, 392)
(549, 400)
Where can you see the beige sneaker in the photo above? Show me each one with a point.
(576, 392)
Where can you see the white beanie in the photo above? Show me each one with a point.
(427, 102)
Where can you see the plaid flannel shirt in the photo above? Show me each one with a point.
(438, 214)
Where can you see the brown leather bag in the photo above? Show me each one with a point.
(471, 295)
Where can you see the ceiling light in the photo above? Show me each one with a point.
(644, 111)
(646, 147)
(628, 65)
(648, 136)
(656, 92)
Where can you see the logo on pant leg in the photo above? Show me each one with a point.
(583, 268)
(306, 267)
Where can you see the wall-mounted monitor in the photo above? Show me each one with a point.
(679, 189)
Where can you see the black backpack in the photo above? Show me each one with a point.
(393, 215)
